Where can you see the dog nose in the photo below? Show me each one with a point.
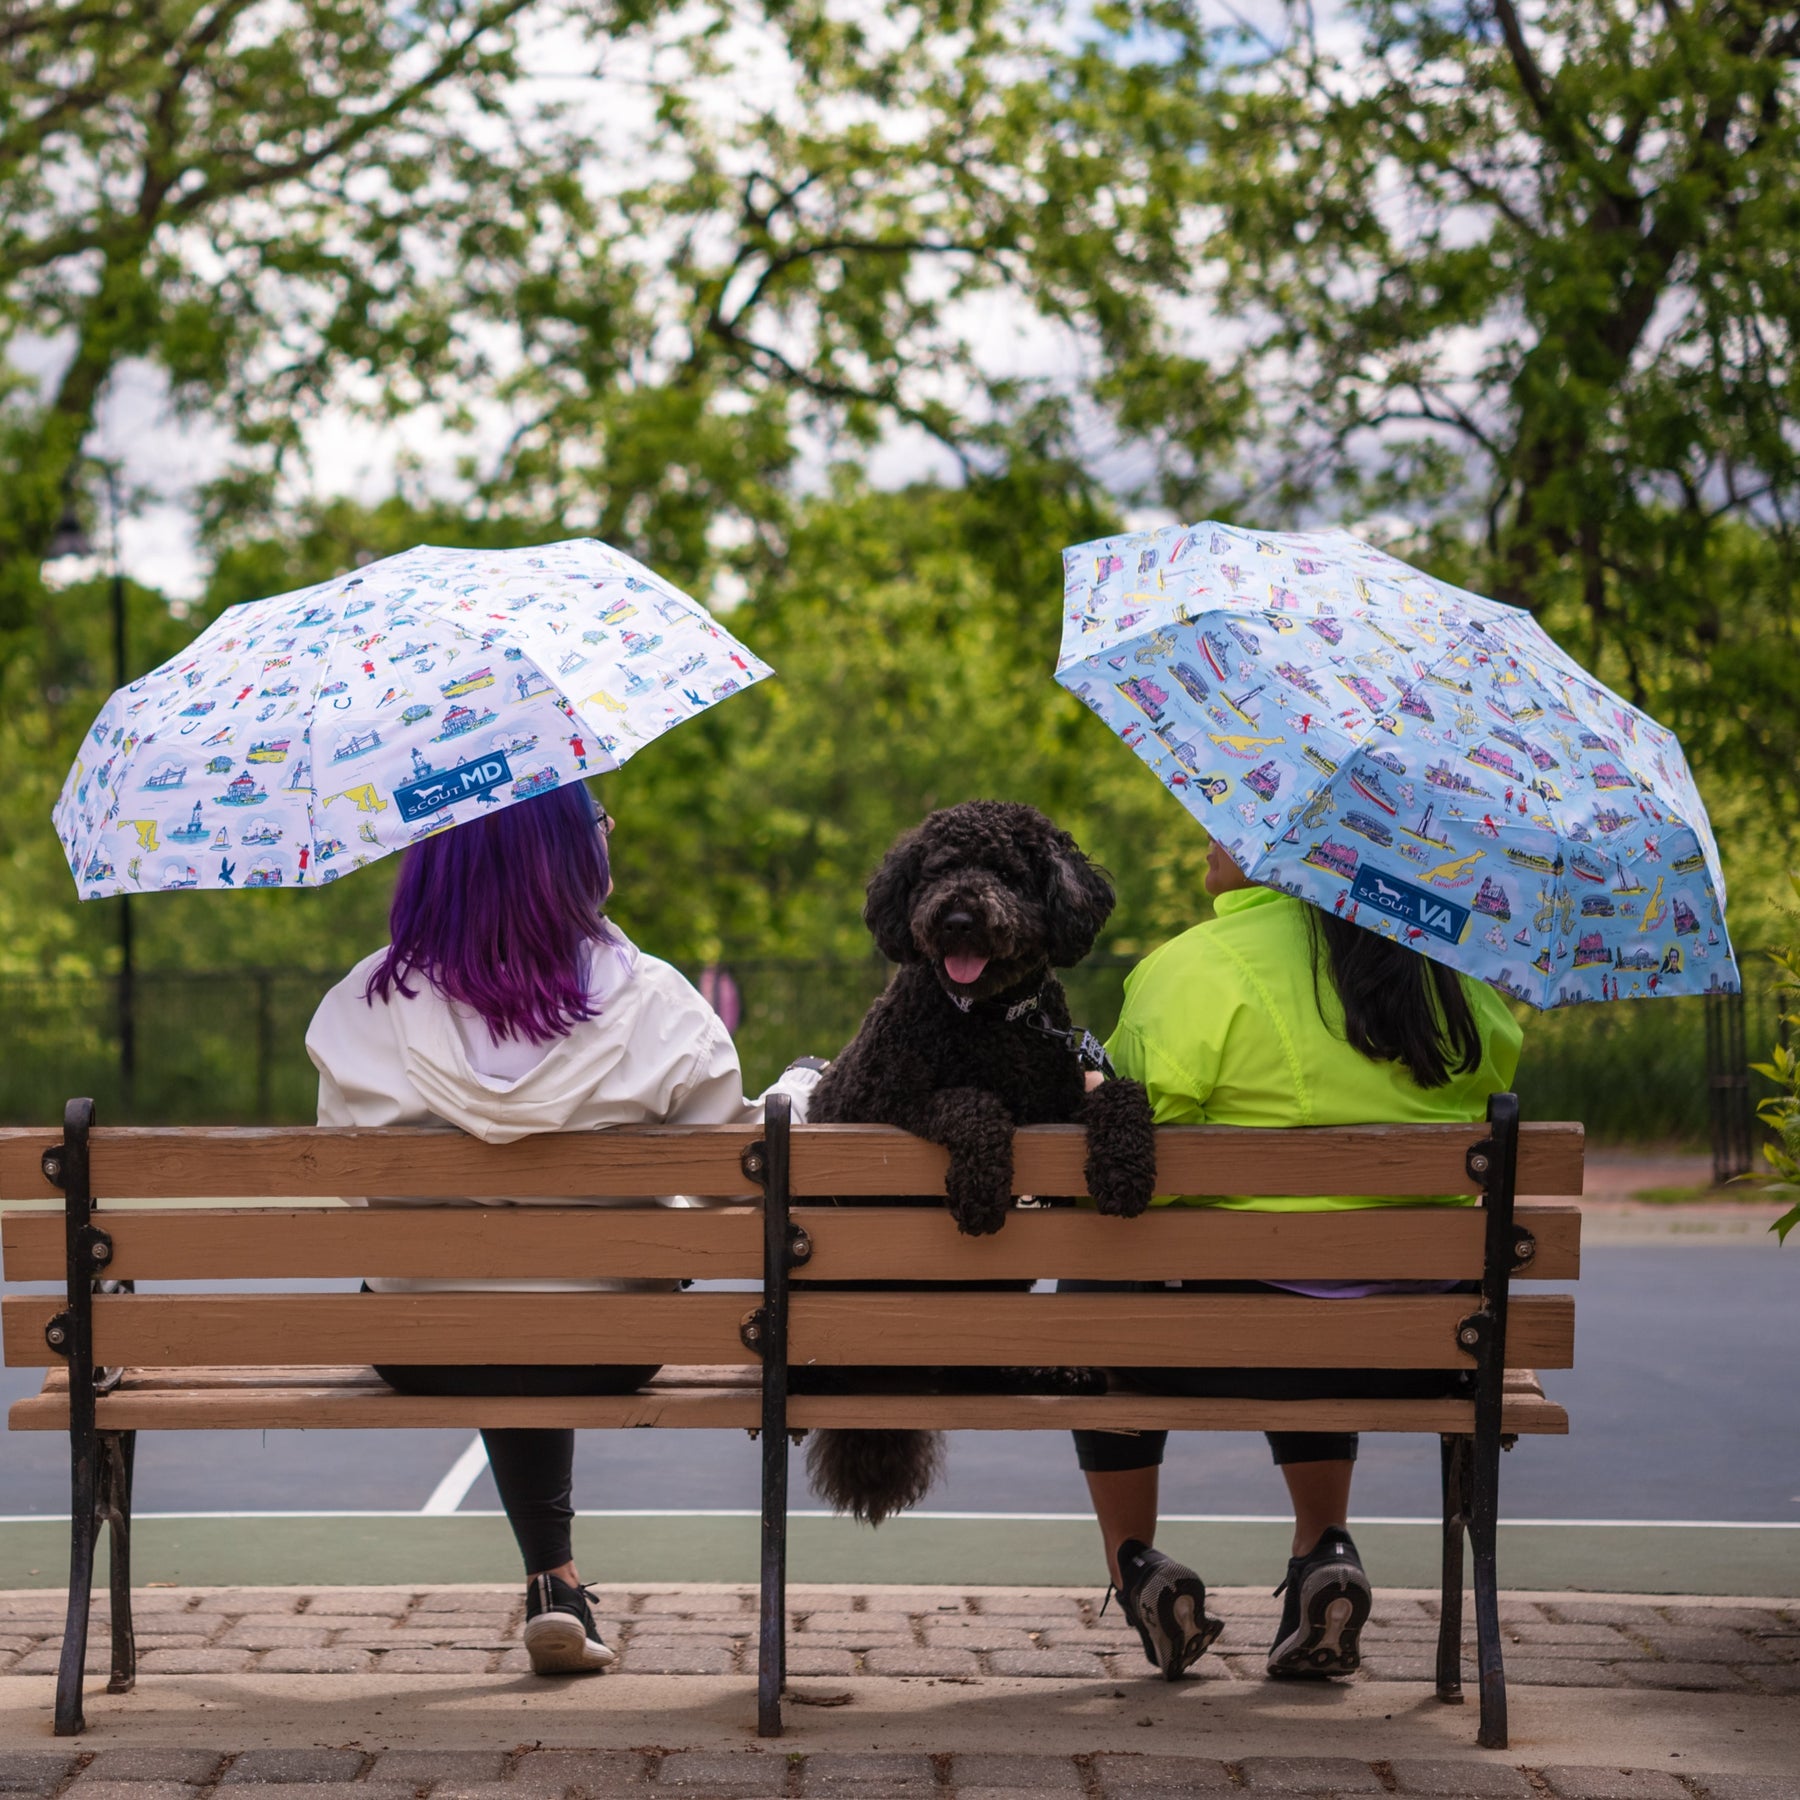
(959, 920)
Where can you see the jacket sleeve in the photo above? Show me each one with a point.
(710, 1090)
(1178, 1089)
(334, 1109)
(1171, 1036)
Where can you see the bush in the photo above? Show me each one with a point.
(1781, 1112)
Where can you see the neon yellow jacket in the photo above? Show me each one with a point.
(1221, 1026)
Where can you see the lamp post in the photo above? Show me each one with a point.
(70, 538)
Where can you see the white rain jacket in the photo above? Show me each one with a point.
(656, 1054)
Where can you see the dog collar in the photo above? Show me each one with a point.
(967, 1003)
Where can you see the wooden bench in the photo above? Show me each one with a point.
(121, 1362)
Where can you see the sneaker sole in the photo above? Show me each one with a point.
(558, 1644)
(1176, 1632)
(1334, 1607)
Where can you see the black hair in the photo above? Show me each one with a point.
(1398, 1006)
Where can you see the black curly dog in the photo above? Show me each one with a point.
(971, 1039)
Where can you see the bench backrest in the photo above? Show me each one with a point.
(731, 1166)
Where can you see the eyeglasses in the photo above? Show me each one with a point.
(603, 819)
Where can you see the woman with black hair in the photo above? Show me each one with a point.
(1274, 1012)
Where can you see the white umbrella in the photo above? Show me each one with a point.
(303, 736)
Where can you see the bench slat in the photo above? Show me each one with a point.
(849, 1244)
(172, 1330)
(1201, 1159)
(1440, 1243)
(502, 1242)
(1035, 1412)
(306, 1162)
(900, 1329)
(356, 1399)
(1411, 1331)
(182, 1163)
(353, 1399)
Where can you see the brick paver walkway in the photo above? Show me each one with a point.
(1562, 1642)
(324, 1774)
(1743, 1649)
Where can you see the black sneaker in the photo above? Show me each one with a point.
(1167, 1604)
(561, 1637)
(1326, 1608)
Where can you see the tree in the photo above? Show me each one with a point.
(773, 228)
(833, 230)
(1534, 267)
(240, 195)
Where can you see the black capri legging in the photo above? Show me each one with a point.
(1113, 1451)
(534, 1469)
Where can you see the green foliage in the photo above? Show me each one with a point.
(1526, 280)
(913, 647)
(1533, 270)
(1781, 1112)
(242, 198)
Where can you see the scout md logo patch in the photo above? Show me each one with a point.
(1410, 905)
(444, 787)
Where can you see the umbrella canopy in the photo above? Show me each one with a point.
(301, 737)
(1405, 754)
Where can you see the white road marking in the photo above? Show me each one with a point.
(978, 1518)
(450, 1493)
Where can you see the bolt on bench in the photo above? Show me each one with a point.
(121, 1361)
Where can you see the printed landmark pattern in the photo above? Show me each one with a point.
(1406, 754)
(301, 737)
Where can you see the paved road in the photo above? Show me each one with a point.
(1680, 1407)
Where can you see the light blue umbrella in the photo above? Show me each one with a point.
(301, 737)
(1406, 754)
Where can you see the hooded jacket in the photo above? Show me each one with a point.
(655, 1054)
(1223, 1025)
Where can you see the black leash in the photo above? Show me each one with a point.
(1089, 1051)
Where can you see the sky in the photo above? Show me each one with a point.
(165, 458)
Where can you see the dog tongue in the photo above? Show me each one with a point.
(964, 969)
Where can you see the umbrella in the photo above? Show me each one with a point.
(301, 737)
(1403, 753)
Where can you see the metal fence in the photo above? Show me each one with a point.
(228, 1047)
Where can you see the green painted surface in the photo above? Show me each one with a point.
(946, 1552)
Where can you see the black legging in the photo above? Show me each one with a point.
(533, 1468)
(1113, 1451)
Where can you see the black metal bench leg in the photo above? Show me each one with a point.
(1454, 1451)
(83, 1528)
(71, 1333)
(779, 1254)
(771, 1666)
(1495, 1163)
(118, 1451)
(1484, 1522)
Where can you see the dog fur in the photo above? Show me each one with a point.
(994, 893)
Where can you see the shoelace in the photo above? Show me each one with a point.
(1337, 1550)
(547, 1595)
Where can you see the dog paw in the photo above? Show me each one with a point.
(1121, 1159)
(1119, 1193)
(979, 1216)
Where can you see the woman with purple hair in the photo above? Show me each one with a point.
(507, 1004)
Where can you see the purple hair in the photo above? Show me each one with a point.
(498, 914)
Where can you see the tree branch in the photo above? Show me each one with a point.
(262, 176)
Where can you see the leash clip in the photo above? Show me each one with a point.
(1089, 1051)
